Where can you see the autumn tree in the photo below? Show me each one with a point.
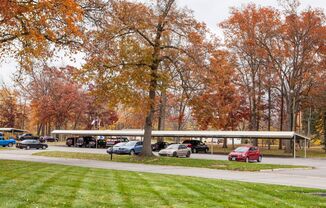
(287, 42)
(241, 32)
(8, 107)
(218, 105)
(55, 98)
(295, 47)
(29, 28)
(126, 54)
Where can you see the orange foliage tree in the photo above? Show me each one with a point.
(28, 28)
(285, 44)
(130, 52)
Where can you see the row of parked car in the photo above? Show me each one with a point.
(245, 153)
(26, 141)
(194, 145)
(90, 142)
(42, 139)
(135, 147)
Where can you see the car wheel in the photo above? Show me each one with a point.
(247, 159)
(194, 150)
(27, 147)
(188, 154)
(206, 150)
(10, 145)
(43, 147)
(260, 158)
(175, 154)
(132, 152)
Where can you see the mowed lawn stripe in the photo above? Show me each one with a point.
(124, 188)
(156, 193)
(67, 186)
(38, 187)
(289, 199)
(26, 186)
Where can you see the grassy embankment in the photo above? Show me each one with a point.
(186, 162)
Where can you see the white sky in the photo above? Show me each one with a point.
(210, 12)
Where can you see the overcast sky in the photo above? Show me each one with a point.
(209, 11)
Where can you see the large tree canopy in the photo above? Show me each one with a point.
(137, 50)
(28, 28)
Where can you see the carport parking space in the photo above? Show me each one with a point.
(265, 135)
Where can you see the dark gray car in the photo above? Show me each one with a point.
(31, 144)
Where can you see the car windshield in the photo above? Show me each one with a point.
(241, 149)
(173, 146)
(130, 143)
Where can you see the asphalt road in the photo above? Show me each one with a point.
(315, 178)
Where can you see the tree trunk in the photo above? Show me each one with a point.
(225, 143)
(147, 142)
(147, 150)
(161, 117)
(254, 108)
(280, 145)
(288, 146)
(39, 128)
(325, 131)
(269, 113)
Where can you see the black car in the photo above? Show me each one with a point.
(196, 146)
(159, 146)
(113, 141)
(27, 136)
(101, 143)
(70, 141)
(86, 141)
(31, 143)
(48, 139)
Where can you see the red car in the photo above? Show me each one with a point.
(246, 154)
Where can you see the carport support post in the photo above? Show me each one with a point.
(305, 148)
(212, 146)
(294, 137)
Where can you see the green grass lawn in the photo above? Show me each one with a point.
(6, 148)
(27, 184)
(187, 162)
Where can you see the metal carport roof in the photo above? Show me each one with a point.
(13, 130)
(206, 134)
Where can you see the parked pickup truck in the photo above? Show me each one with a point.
(8, 142)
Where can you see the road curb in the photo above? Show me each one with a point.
(280, 169)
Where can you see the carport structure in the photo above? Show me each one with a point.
(12, 131)
(288, 135)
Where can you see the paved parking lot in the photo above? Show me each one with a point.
(315, 178)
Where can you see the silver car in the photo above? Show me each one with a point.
(116, 147)
(176, 150)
